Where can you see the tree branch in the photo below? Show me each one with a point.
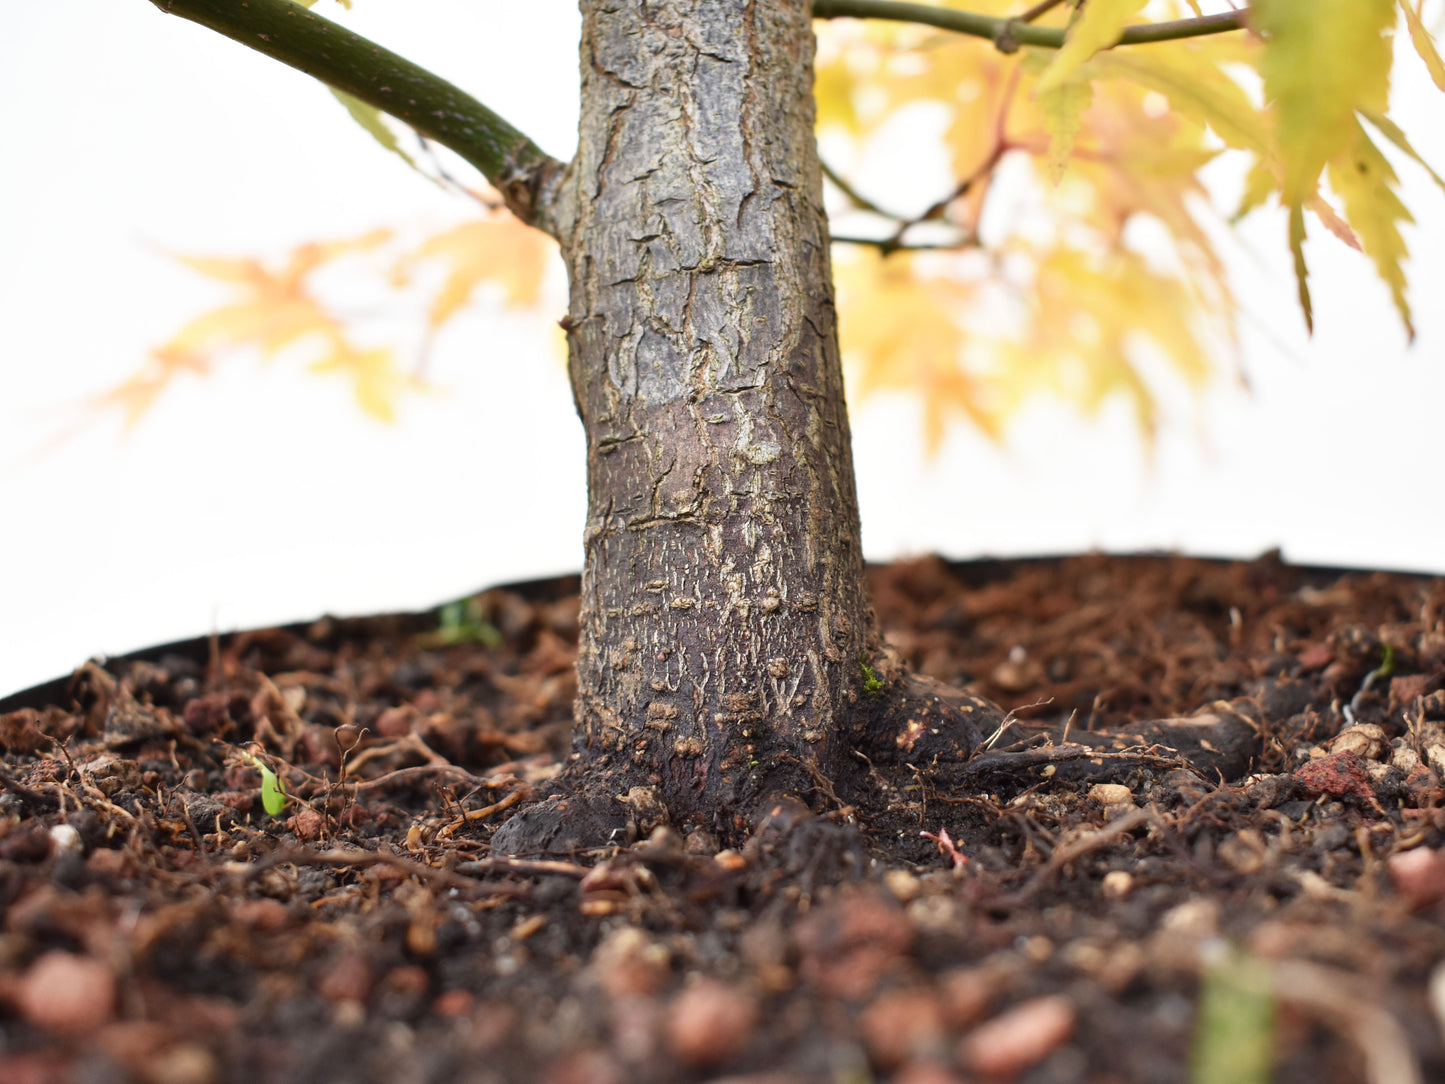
(301, 39)
(1009, 34)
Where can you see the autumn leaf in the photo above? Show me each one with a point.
(1098, 25)
(1313, 92)
(1367, 185)
(274, 309)
(1062, 105)
(498, 250)
(1422, 41)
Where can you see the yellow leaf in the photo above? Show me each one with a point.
(1098, 25)
(1391, 131)
(901, 330)
(1323, 60)
(1190, 76)
(1424, 43)
(1062, 107)
(1258, 184)
(375, 378)
(1366, 185)
(499, 250)
(833, 92)
(1301, 272)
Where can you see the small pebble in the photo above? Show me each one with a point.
(709, 1022)
(1019, 1038)
(1107, 794)
(1418, 875)
(1117, 884)
(66, 993)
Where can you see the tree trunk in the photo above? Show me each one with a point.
(723, 609)
(726, 635)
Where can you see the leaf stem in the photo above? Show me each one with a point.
(301, 39)
(1009, 34)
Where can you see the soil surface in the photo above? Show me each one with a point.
(1262, 898)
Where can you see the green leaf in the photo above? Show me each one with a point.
(273, 791)
(372, 119)
(1234, 1031)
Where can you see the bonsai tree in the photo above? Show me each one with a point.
(728, 652)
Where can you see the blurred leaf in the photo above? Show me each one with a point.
(1422, 41)
(1097, 25)
(374, 121)
(1063, 105)
(498, 250)
(1234, 1028)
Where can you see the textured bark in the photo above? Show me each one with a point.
(723, 608)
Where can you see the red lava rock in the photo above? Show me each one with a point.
(584, 1067)
(205, 713)
(967, 995)
(66, 993)
(1342, 774)
(900, 1025)
(242, 801)
(923, 1072)
(1316, 656)
(20, 731)
(1419, 876)
(845, 948)
(266, 915)
(628, 963)
(306, 823)
(454, 1003)
(1019, 1038)
(1405, 688)
(397, 722)
(407, 979)
(348, 978)
(708, 1022)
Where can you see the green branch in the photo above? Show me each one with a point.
(301, 39)
(1009, 34)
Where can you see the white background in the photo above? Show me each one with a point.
(263, 495)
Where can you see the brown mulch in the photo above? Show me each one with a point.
(1067, 915)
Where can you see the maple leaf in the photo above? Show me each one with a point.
(1423, 43)
(1313, 92)
(1097, 25)
(1366, 184)
(275, 311)
(498, 249)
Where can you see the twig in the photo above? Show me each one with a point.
(1009, 33)
(1087, 843)
(535, 866)
(34, 798)
(301, 39)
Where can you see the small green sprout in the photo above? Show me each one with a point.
(273, 791)
(1234, 1030)
(872, 683)
(461, 622)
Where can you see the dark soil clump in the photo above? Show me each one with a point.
(1210, 839)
